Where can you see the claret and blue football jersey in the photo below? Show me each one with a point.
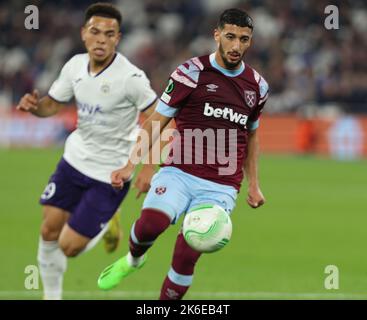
(220, 104)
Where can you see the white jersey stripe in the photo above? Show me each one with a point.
(182, 79)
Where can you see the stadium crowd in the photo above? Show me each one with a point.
(304, 63)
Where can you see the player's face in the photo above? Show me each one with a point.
(101, 36)
(233, 42)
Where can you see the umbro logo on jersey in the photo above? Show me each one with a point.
(225, 113)
(172, 294)
(211, 87)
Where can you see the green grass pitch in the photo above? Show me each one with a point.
(315, 216)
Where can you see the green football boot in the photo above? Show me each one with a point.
(114, 273)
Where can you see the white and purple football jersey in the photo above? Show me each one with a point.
(108, 106)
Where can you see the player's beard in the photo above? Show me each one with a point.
(229, 65)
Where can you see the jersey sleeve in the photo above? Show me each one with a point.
(180, 85)
(139, 91)
(254, 119)
(62, 88)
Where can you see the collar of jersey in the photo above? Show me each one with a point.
(229, 73)
(97, 74)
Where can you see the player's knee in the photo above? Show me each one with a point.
(150, 231)
(53, 222)
(49, 233)
(151, 224)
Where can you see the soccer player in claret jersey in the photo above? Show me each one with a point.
(218, 94)
(110, 92)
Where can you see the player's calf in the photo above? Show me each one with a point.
(51, 260)
(48, 233)
(180, 276)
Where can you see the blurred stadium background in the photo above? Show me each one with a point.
(313, 141)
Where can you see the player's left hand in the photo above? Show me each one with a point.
(255, 197)
(142, 182)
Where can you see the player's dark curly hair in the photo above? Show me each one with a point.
(237, 17)
(102, 9)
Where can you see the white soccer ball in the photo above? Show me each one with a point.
(207, 228)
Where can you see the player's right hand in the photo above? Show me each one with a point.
(255, 197)
(28, 102)
(118, 177)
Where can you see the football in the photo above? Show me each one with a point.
(207, 228)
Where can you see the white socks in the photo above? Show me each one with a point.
(134, 261)
(52, 263)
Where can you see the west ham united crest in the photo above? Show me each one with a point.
(160, 190)
(250, 98)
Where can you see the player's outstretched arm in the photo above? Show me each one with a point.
(255, 197)
(141, 148)
(44, 107)
(144, 177)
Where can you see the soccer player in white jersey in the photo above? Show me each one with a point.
(110, 93)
